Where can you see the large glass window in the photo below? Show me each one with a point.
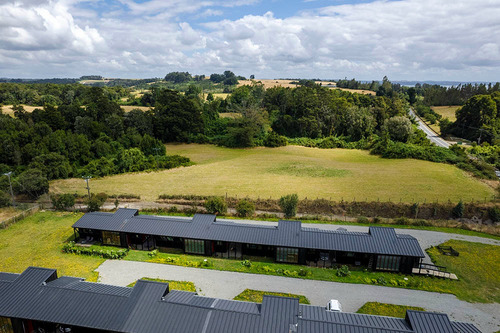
(286, 254)
(194, 246)
(388, 263)
(5, 325)
(111, 238)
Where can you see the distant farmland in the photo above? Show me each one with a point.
(310, 172)
(268, 83)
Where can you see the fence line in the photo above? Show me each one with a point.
(11, 220)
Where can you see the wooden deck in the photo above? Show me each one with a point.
(431, 272)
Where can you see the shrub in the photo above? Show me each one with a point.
(382, 281)
(216, 205)
(273, 140)
(303, 272)
(494, 214)
(96, 201)
(106, 254)
(376, 219)
(153, 253)
(363, 219)
(33, 183)
(245, 208)
(402, 220)
(343, 271)
(5, 199)
(267, 269)
(279, 271)
(414, 209)
(458, 210)
(288, 204)
(246, 263)
(63, 201)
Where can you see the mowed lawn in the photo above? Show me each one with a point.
(37, 241)
(309, 172)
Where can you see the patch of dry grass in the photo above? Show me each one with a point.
(447, 111)
(268, 83)
(251, 172)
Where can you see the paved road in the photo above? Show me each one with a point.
(431, 135)
(227, 285)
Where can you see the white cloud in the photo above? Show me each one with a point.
(406, 39)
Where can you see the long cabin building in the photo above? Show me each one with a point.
(38, 301)
(378, 249)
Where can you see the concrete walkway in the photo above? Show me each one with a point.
(227, 285)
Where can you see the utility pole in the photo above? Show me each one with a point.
(87, 178)
(10, 184)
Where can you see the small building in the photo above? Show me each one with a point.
(38, 301)
(378, 249)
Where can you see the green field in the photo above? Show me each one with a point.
(477, 268)
(37, 241)
(310, 172)
(256, 296)
(384, 309)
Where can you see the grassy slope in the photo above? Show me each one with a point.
(383, 309)
(37, 241)
(250, 295)
(172, 284)
(477, 268)
(310, 172)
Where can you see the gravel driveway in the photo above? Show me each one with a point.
(227, 285)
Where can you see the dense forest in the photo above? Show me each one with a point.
(82, 130)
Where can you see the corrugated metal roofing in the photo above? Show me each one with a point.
(429, 322)
(37, 294)
(378, 240)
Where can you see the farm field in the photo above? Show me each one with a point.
(447, 111)
(310, 172)
(128, 108)
(7, 109)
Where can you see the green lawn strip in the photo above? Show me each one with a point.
(37, 241)
(268, 267)
(256, 296)
(477, 268)
(172, 284)
(448, 230)
(389, 310)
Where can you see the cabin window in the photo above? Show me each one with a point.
(388, 263)
(5, 325)
(194, 246)
(111, 238)
(286, 254)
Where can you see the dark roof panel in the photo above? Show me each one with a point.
(37, 294)
(378, 240)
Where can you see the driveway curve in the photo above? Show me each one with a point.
(227, 285)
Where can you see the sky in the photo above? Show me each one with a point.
(455, 40)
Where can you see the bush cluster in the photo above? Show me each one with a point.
(288, 204)
(63, 201)
(245, 208)
(106, 254)
(216, 205)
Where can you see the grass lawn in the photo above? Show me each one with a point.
(172, 284)
(447, 111)
(37, 240)
(310, 172)
(389, 310)
(477, 268)
(250, 295)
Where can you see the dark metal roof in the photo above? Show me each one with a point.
(37, 294)
(378, 240)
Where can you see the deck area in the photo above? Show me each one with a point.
(436, 273)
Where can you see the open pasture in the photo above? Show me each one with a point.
(310, 172)
(447, 111)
